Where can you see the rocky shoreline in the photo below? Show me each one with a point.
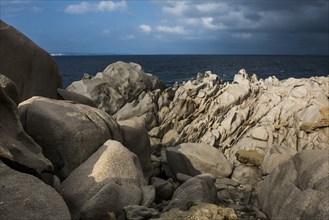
(120, 145)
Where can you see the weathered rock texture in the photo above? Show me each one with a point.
(298, 188)
(16, 147)
(107, 181)
(117, 85)
(23, 196)
(240, 130)
(248, 114)
(31, 68)
(68, 133)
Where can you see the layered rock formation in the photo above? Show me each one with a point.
(241, 130)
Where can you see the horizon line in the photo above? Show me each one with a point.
(178, 54)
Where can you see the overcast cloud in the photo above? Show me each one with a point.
(160, 26)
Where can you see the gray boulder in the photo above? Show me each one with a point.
(9, 88)
(106, 182)
(68, 133)
(136, 139)
(195, 190)
(16, 147)
(23, 196)
(31, 68)
(118, 84)
(298, 188)
(196, 158)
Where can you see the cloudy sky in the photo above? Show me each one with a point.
(173, 27)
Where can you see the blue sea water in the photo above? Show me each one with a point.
(177, 68)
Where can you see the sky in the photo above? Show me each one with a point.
(173, 27)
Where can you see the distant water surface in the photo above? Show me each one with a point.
(177, 68)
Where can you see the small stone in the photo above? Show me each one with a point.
(282, 125)
(249, 157)
(311, 126)
(201, 94)
(259, 133)
(170, 138)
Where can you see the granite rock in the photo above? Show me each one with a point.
(68, 133)
(107, 181)
(25, 196)
(32, 69)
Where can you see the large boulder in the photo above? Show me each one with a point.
(298, 188)
(118, 84)
(23, 196)
(31, 68)
(16, 147)
(106, 182)
(197, 158)
(68, 133)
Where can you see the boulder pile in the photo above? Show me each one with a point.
(120, 145)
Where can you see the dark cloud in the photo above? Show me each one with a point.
(258, 26)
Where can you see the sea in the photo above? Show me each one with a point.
(178, 68)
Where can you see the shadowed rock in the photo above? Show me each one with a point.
(23, 196)
(16, 147)
(9, 88)
(31, 68)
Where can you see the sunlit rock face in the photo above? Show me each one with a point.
(107, 181)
